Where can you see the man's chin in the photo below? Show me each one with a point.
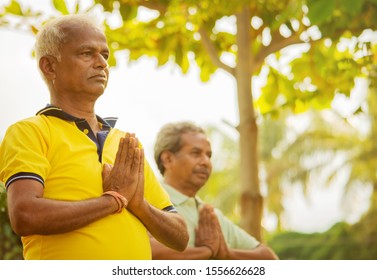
(201, 180)
(98, 90)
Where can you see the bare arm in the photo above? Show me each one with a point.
(161, 252)
(30, 213)
(206, 243)
(168, 228)
(261, 252)
(210, 244)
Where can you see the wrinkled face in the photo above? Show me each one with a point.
(83, 66)
(191, 165)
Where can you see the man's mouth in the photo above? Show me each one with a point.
(202, 173)
(101, 77)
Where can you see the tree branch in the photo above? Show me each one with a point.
(211, 50)
(278, 42)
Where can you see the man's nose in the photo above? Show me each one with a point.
(205, 160)
(101, 61)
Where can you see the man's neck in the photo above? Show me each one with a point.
(79, 110)
(181, 187)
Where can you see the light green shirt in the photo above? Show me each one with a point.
(235, 237)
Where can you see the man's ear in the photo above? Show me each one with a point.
(47, 64)
(166, 158)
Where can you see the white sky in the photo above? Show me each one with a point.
(144, 98)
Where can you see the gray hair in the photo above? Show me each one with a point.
(169, 139)
(53, 34)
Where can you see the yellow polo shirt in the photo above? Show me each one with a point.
(52, 150)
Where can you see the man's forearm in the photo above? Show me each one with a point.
(161, 252)
(261, 252)
(166, 227)
(47, 216)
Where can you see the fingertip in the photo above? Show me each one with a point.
(206, 206)
(106, 168)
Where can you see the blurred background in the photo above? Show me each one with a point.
(285, 89)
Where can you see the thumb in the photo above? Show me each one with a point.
(106, 170)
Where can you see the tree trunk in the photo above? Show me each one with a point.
(251, 199)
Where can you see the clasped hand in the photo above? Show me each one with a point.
(209, 233)
(126, 176)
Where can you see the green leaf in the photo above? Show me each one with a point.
(14, 8)
(205, 74)
(179, 55)
(291, 11)
(320, 10)
(112, 60)
(185, 64)
(34, 29)
(353, 7)
(61, 6)
(77, 7)
(163, 54)
(106, 4)
(128, 12)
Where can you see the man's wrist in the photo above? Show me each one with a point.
(120, 199)
(210, 250)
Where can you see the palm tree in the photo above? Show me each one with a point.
(328, 147)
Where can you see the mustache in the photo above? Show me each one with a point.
(204, 170)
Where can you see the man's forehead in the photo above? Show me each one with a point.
(83, 32)
(81, 41)
(92, 46)
(194, 139)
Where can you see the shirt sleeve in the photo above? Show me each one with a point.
(235, 236)
(23, 153)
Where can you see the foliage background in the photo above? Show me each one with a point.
(10, 244)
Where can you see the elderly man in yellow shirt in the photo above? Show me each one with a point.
(78, 188)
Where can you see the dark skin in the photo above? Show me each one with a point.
(75, 82)
(187, 171)
(210, 244)
(209, 234)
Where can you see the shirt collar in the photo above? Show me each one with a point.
(177, 197)
(54, 111)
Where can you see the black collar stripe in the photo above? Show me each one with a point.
(59, 113)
